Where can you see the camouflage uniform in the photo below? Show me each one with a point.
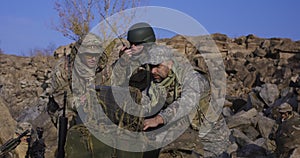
(68, 69)
(72, 75)
(130, 71)
(167, 95)
(216, 140)
(61, 81)
(287, 135)
(83, 106)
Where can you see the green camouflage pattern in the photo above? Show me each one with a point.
(216, 140)
(182, 145)
(131, 71)
(81, 143)
(172, 88)
(115, 113)
(69, 70)
(91, 146)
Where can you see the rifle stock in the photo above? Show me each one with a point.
(62, 135)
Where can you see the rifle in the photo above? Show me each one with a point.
(63, 125)
(12, 143)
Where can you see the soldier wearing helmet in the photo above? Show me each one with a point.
(80, 141)
(175, 93)
(288, 133)
(76, 74)
(285, 110)
(129, 67)
(137, 35)
(73, 73)
(85, 64)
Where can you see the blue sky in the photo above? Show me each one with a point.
(26, 26)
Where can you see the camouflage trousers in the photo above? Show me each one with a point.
(215, 139)
(194, 144)
(179, 140)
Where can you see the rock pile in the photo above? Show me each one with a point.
(260, 75)
(22, 84)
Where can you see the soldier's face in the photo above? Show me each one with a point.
(136, 48)
(160, 72)
(90, 60)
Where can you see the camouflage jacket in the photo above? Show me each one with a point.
(132, 71)
(288, 133)
(73, 78)
(165, 97)
(178, 95)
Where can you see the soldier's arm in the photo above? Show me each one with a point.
(58, 82)
(123, 69)
(194, 85)
(59, 77)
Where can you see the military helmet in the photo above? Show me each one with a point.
(158, 54)
(141, 33)
(22, 127)
(285, 107)
(91, 44)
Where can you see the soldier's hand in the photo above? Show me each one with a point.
(128, 51)
(132, 51)
(123, 50)
(153, 122)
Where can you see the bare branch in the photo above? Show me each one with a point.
(76, 17)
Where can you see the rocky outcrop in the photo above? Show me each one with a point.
(260, 75)
(249, 61)
(22, 81)
(22, 85)
(8, 124)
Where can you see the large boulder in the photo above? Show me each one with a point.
(269, 93)
(8, 124)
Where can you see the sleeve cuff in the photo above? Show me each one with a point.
(164, 118)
